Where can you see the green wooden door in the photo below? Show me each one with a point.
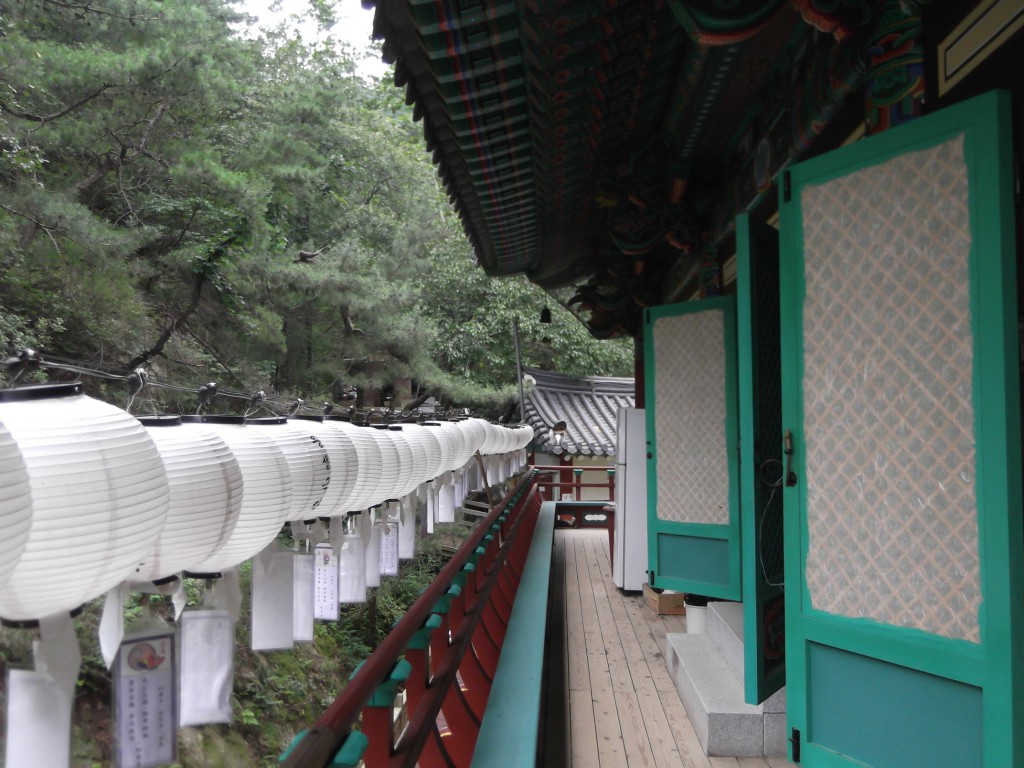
(761, 465)
(693, 496)
(900, 385)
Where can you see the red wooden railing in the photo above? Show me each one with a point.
(545, 480)
(444, 651)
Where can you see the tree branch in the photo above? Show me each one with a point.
(43, 119)
(210, 350)
(84, 7)
(172, 327)
(36, 225)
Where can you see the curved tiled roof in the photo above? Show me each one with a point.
(609, 144)
(587, 405)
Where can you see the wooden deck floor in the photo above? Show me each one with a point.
(610, 702)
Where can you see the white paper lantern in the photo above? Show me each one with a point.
(446, 443)
(431, 443)
(344, 457)
(406, 465)
(417, 452)
(390, 467)
(475, 433)
(266, 490)
(457, 445)
(205, 487)
(352, 568)
(308, 462)
(369, 532)
(368, 454)
(15, 504)
(99, 498)
(490, 440)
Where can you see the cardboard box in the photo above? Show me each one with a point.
(665, 603)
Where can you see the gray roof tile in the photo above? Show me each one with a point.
(587, 405)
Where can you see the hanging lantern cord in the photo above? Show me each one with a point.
(136, 383)
(255, 402)
(26, 360)
(206, 394)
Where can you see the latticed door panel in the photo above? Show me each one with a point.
(691, 422)
(761, 458)
(900, 387)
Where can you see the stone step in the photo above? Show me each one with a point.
(725, 628)
(713, 697)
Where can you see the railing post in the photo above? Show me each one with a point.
(578, 472)
(379, 716)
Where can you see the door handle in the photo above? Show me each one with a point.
(787, 448)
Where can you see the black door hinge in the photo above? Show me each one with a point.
(787, 187)
(794, 741)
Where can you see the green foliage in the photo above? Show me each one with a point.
(250, 209)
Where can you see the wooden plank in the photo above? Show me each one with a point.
(682, 730)
(579, 674)
(723, 762)
(652, 647)
(639, 668)
(618, 668)
(751, 762)
(610, 748)
(779, 762)
(659, 733)
(634, 730)
(583, 733)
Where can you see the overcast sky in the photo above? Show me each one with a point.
(355, 25)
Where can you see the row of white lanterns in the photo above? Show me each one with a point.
(90, 496)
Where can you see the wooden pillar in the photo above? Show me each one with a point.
(564, 476)
(638, 370)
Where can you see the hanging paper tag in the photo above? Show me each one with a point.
(38, 721)
(302, 595)
(325, 583)
(370, 533)
(145, 700)
(273, 597)
(352, 570)
(407, 528)
(389, 549)
(207, 667)
(430, 514)
(111, 631)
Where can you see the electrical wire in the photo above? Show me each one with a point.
(144, 381)
(774, 485)
(30, 360)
